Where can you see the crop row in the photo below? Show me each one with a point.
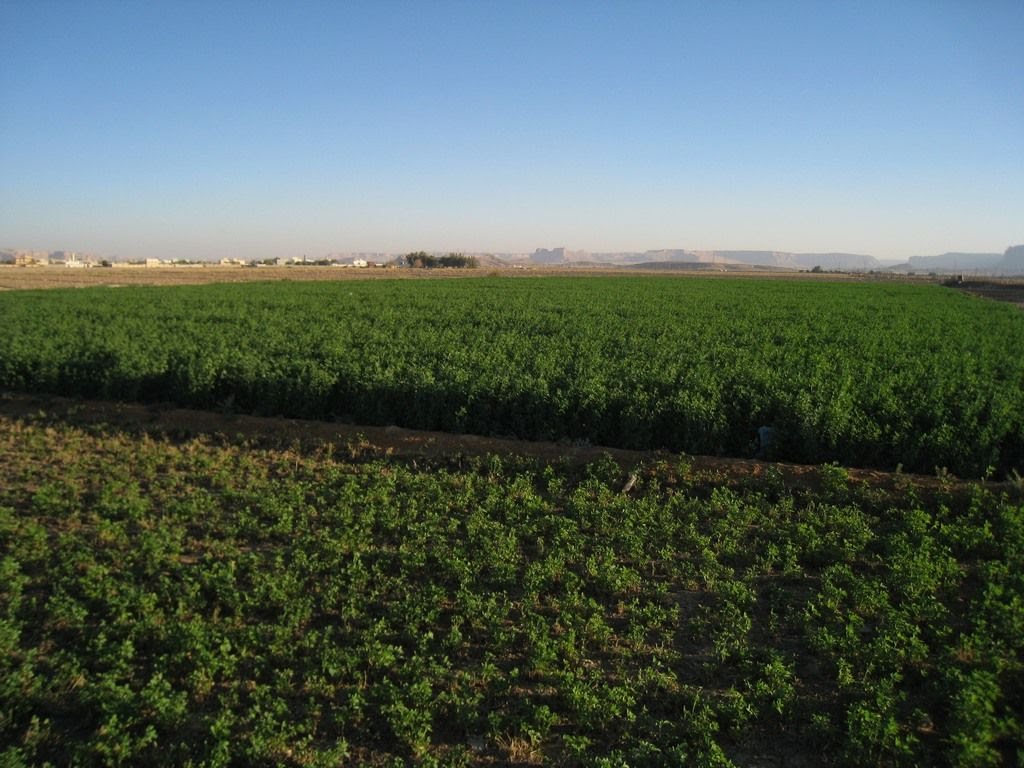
(864, 374)
(187, 603)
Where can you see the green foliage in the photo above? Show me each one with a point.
(213, 603)
(864, 374)
(422, 259)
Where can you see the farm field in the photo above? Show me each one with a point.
(187, 578)
(46, 277)
(175, 600)
(867, 374)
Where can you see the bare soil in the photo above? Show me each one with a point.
(41, 277)
(166, 420)
(24, 278)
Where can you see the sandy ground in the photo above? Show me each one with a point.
(15, 278)
(25, 278)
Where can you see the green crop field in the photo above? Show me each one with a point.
(865, 374)
(168, 598)
(203, 602)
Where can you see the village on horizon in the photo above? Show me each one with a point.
(1007, 264)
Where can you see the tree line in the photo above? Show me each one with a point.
(424, 260)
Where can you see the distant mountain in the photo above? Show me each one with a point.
(951, 261)
(772, 259)
(1013, 261)
(489, 260)
(673, 255)
(827, 261)
(703, 266)
(1008, 263)
(856, 262)
(559, 255)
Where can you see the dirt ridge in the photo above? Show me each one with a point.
(392, 441)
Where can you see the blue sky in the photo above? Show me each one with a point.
(217, 129)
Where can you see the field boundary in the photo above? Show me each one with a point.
(170, 421)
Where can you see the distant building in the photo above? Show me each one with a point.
(359, 262)
(68, 259)
(31, 258)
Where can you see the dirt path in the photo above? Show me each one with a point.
(168, 420)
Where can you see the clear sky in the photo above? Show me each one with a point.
(218, 129)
